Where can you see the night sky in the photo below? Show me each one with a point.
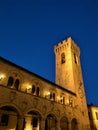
(29, 29)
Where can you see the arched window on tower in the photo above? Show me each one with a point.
(75, 59)
(62, 58)
(16, 84)
(10, 81)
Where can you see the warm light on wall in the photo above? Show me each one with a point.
(94, 116)
(28, 88)
(2, 76)
(48, 93)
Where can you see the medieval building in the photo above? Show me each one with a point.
(30, 102)
(93, 116)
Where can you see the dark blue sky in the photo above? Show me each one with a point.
(29, 29)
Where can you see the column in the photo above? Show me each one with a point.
(42, 124)
(79, 126)
(69, 125)
(20, 122)
(58, 125)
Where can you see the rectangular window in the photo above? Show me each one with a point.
(35, 121)
(97, 115)
(4, 120)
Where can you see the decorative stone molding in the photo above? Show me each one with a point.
(44, 109)
(24, 105)
(35, 102)
(12, 96)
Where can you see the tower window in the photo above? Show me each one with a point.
(62, 58)
(75, 59)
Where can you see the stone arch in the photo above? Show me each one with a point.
(54, 115)
(50, 122)
(74, 124)
(64, 123)
(15, 108)
(35, 110)
(32, 119)
(9, 115)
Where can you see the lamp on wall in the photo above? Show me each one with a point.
(28, 88)
(2, 76)
(48, 95)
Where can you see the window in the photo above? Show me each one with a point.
(37, 91)
(62, 100)
(10, 82)
(97, 115)
(16, 84)
(4, 120)
(35, 121)
(50, 95)
(54, 96)
(33, 89)
(75, 59)
(62, 58)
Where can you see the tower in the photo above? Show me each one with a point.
(68, 68)
(69, 76)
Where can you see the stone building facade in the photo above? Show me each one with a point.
(93, 116)
(30, 102)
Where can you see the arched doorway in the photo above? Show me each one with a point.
(50, 123)
(8, 118)
(74, 124)
(64, 123)
(32, 121)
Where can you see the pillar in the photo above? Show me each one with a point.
(69, 125)
(79, 126)
(20, 122)
(58, 125)
(42, 124)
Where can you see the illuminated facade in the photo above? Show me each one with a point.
(30, 102)
(93, 116)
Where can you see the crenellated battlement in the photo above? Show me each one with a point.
(66, 44)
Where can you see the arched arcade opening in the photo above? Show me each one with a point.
(8, 118)
(64, 123)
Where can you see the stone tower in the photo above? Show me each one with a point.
(68, 68)
(69, 75)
